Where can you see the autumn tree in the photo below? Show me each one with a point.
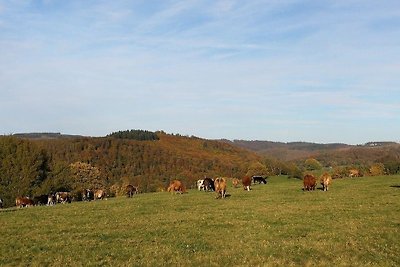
(85, 176)
(312, 164)
(377, 169)
(257, 168)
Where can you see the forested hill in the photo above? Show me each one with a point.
(40, 166)
(287, 151)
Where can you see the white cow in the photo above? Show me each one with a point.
(200, 184)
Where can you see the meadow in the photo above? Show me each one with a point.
(355, 223)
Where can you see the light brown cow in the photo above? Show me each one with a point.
(235, 182)
(326, 180)
(220, 187)
(176, 186)
(246, 181)
(309, 182)
(354, 173)
(23, 202)
(99, 194)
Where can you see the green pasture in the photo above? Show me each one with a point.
(356, 223)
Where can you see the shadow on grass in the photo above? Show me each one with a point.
(395, 186)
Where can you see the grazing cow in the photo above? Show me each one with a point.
(51, 200)
(131, 190)
(220, 187)
(246, 182)
(1, 203)
(99, 194)
(200, 184)
(235, 182)
(309, 182)
(259, 180)
(326, 180)
(23, 202)
(176, 186)
(208, 184)
(87, 195)
(63, 197)
(354, 173)
(40, 200)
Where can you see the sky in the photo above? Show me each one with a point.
(325, 71)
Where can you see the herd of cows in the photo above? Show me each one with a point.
(217, 185)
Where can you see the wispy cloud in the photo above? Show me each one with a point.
(208, 68)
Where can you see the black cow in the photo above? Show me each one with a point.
(1, 203)
(131, 190)
(259, 180)
(40, 200)
(87, 195)
(208, 184)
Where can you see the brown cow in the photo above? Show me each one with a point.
(24, 202)
(99, 194)
(354, 173)
(176, 186)
(131, 190)
(246, 181)
(235, 182)
(309, 182)
(220, 187)
(326, 180)
(63, 197)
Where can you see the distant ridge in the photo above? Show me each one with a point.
(46, 135)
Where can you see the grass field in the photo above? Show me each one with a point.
(356, 223)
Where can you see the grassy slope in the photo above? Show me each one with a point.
(356, 223)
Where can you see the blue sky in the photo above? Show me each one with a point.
(280, 70)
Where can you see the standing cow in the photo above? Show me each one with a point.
(23, 202)
(309, 182)
(208, 184)
(220, 187)
(63, 197)
(235, 182)
(200, 184)
(259, 180)
(326, 180)
(1, 203)
(131, 190)
(99, 194)
(246, 181)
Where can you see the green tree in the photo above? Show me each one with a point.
(312, 164)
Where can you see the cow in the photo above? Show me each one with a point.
(220, 187)
(326, 180)
(40, 200)
(259, 180)
(63, 197)
(176, 186)
(208, 184)
(200, 184)
(99, 194)
(24, 202)
(309, 182)
(1, 203)
(354, 173)
(246, 182)
(131, 190)
(87, 195)
(235, 182)
(51, 199)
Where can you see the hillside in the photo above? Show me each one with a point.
(329, 154)
(43, 165)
